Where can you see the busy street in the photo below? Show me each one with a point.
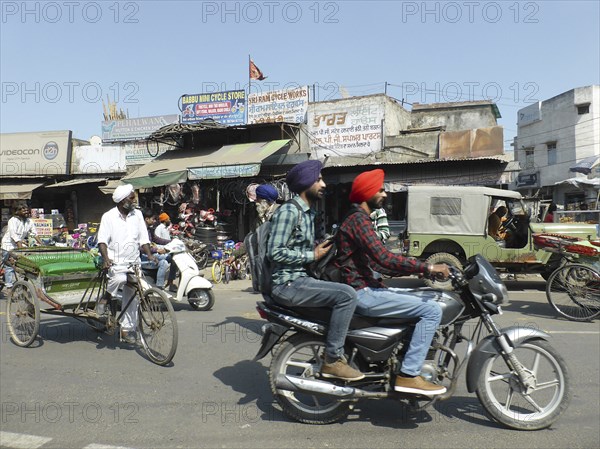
(75, 388)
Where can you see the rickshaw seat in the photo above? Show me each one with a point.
(54, 263)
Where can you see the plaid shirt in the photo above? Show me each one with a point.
(291, 248)
(358, 245)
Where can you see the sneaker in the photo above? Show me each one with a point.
(340, 370)
(127, 337)
(418, 385)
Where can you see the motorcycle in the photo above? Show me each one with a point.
(519, 378)
(192, 286)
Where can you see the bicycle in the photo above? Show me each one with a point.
(573, 289)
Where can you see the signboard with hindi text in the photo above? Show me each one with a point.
(344, 127)
(278, 106)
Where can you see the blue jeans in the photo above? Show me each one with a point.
(9, 272)
(395, 303)
(310, 292)
(163, 265)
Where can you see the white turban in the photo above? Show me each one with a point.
(122, 192)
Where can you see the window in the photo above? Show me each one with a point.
(551, 153)
(583, 109)
(445, 206)
(529, 158)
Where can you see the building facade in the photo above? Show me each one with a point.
(555, 137)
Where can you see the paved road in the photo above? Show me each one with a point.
(79, 389)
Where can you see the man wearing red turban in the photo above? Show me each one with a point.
(359, 245)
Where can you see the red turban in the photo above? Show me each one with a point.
(366, 185)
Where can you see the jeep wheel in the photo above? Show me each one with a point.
(448, 259)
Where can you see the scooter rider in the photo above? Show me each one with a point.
(290, 247)
(161, 255)
(358, 246)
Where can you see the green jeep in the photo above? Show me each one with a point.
(450, 224)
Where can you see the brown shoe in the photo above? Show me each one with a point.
(418, 385)
(340, 370)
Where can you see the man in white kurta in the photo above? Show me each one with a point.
(18, 230)
(122, 232)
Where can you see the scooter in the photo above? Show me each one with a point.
(192, 286)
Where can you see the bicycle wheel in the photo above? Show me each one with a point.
(227, 274)
(23, 314)
(574, 292)
(217, 271)
(157, 326)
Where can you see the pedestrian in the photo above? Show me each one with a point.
(16, 235)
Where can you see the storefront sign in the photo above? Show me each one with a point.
(98, 159)
(140, 153)
(228, 108)
(278, 106)
(225, 171)
(38, 153)
(43, 226)
(345, 127)
(135, 128)
(529, 114)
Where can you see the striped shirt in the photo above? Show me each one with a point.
(291, 246)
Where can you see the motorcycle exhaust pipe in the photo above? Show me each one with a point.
(323, 388)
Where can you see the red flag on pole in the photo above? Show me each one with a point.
(255, 73)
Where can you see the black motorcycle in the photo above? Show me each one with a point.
(519, 378)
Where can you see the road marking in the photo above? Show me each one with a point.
(104, 446)
(21, 441)
(575, 332)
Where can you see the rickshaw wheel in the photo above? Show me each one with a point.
(23, 314)
(157, 326)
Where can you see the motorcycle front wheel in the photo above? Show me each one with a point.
(301, 356)
(507, 401)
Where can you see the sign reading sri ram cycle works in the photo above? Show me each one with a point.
(37, 153)
(135, 128)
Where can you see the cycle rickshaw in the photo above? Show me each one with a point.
(69, 282)
(573, 288)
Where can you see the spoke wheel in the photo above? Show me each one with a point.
(300, 356)
(227, 275)
(23, 314)
(511, 403)
(574, 292)
(201, 299)
(157, 326)
(202, 259)
(217, 271)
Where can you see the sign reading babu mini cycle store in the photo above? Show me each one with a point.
(37, 153)
(227, 108)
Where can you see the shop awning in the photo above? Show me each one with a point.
(579, 182)
(229, 161)
(110, 186)
(586, 165)
(73, 182)
(18, 191)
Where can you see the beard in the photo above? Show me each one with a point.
(128, 206)
(314, 194)
(375, 203)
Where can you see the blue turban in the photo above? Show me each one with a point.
(303, 175)
(267, 192)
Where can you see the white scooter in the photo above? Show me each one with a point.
(192, 286)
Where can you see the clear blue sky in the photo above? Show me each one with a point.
(60, 59)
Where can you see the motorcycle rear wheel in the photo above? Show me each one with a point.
(300, 356)
(503, 398)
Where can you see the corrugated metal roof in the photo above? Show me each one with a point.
(389, 158)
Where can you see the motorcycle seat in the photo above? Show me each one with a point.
(322, 315)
